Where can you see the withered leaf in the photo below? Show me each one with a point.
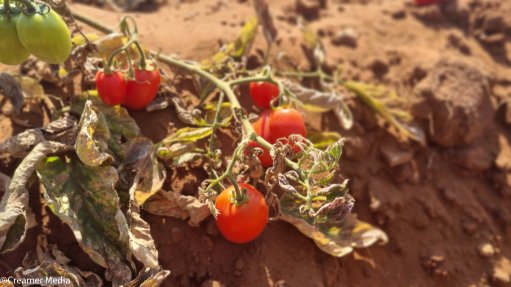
(14, 204)
(84, 198)
(173, 204)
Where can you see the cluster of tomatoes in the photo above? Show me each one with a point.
(244, 222)
(114, 89)
(43, 34)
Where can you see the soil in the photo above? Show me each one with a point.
(445, 207)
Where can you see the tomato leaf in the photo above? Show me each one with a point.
(323, 140)
(336, 240)
(389, 106)
(320, 102)
(149, 278)
(84, 198)
(11, 89)
(49, 261)
(173, 204)
(149, 174)
(188, 134)
(13, 207)
(92, 140)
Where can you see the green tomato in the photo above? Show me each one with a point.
(46, 36)
(12, 51)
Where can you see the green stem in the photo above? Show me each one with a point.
(215, 122)
(143, 62)
(251, 79)
(7, 9)
(92, 23)
(31, 9)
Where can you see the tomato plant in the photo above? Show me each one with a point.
(244, 221)
(143, 88)
(45, 35)
(12, 52)
(111, 87)
(262, 93)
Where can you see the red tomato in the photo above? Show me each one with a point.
(263, 93)
(285, 122)
(261, 127)
(243, 223)
(427, 2)
(111, 87)
(143, 89)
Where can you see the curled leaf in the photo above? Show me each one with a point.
(391, 107)
(92, 140)
(20, 144)
(84, 198)
(323, 140)
(338, 240)
(149, 278)
(188, 135)
(14, 204)
(317, 101)
(11, 89)
(179, 206)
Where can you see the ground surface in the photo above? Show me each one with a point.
(446, 210)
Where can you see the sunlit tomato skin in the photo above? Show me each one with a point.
(111, 87)
(12, 51)
(243, 223)
(46, 36)
(285, 122)
(262, 93)
(261, 127)
(142, 89)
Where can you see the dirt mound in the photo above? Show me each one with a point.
(445, 208)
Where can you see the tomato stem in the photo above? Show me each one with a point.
(29, 6)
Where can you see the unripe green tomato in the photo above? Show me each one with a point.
(12, 51)
(46, 36)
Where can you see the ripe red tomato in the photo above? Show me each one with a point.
(143, 89)
(242, 223)
(427, 2)
(111, 87)
(285, 122)
(263, 93)
(261, 127)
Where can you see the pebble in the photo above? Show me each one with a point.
(347, 37)
(486, 250)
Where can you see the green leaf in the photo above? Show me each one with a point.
(84, 198)
(188, 134)
(391, 107)
(323, 140)
(14, 204)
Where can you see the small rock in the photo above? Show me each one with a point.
(379, 68)
(239, 264)
(394, 156)
(502, 272)
(469, 227)
(212, 283)
(347, 37)
(398, 14)
(486, 250)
